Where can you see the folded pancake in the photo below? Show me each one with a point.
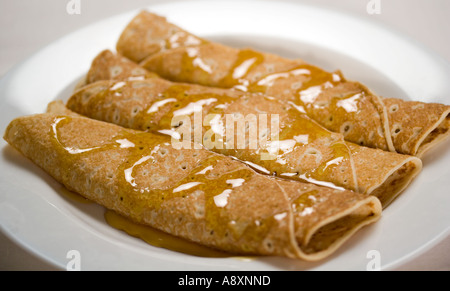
(340, 105)
(106, 65)
(195, 194)
(298, 149)
(137, 41)
(116, 68)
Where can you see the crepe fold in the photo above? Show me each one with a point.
(198, 195)
(240, 125)
(340, 105)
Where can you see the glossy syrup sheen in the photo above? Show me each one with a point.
(181, 38)
(182, 102)
(136, 194)
(342, 107)
(314, 79)
(247, 60)
(178, 100)
(160, 239)
(150, 235)
(299, 124)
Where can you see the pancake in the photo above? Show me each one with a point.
(340, 105)
(299, 149)
(197, 195)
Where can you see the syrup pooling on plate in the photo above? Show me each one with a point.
(160, 239)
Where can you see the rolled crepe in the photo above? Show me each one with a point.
(300, 150)
(336, 103)
(194, 194)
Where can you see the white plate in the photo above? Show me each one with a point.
(37, 217)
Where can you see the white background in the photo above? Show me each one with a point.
(28, 25)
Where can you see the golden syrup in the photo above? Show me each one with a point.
(172, 99)
(305, 200)
(193, 64)
(141, 149)
(183, 39)
(247, 60)
(184, 103)
(161, 239)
